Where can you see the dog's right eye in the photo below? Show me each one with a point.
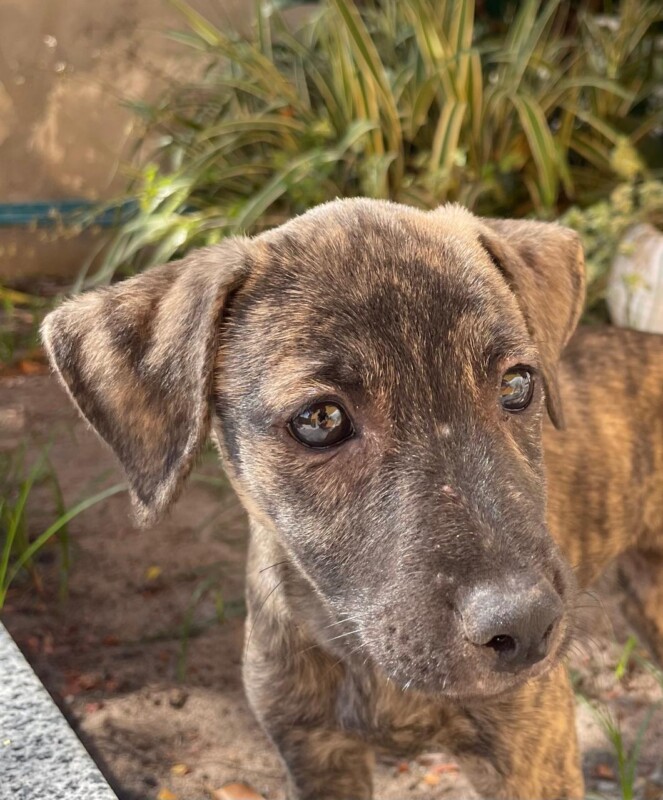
(321, 424)
(517, 389)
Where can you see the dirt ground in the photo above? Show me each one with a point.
(137, 658)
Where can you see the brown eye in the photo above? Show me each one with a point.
(321, 425)
(517, 389)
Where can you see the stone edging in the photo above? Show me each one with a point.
(41, 758)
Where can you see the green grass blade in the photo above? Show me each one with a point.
(16, 520)
(41, 540)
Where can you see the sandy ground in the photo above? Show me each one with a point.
(163, 711)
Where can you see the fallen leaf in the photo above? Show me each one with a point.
(166, 794)
(28, 367)
(604, 771)
(445, 769)
(179, 770)
(430, 759)
(431, 779)
(89, 680)
(90, 708)
(402, 766)
(76, 683)
(152, 573)
(235, 791)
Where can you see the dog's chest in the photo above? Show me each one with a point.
(386, 716)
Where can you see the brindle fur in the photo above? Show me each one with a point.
(358, 555)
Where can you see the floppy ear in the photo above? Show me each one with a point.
(543, 264)
(137, 359)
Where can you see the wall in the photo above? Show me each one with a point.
(66, 67)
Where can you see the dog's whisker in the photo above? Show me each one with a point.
(343, 635)
(271, 566)
(260, 610)
(333, 639)
(363, 644)
(342, 622)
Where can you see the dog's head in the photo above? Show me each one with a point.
(376, 377)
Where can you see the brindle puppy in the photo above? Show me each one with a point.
(376, 379)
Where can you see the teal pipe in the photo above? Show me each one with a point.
(47, 212)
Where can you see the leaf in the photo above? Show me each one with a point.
(166, 794)
(604, 771)
(447, 135)
(461, 41)
(152, 573)
(445, 769)
(369, 58)
(626, 161)
(542, 145)
(235, 791)
(179, 770)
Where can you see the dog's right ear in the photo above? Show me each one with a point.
(543, 264)
(137, 359)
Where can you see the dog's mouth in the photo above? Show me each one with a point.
(460, 670)
(467, 675)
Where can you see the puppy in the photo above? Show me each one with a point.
(422, 470)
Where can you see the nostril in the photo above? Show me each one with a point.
(514, 623)
(502, 644)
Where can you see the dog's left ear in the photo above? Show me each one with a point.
(543, 264)
(137, 359)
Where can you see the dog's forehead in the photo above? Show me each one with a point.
(373, 289)
(371, 250)
(358, 266)
(372, 234)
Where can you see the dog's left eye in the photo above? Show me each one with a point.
(321, 424)
(517, 389)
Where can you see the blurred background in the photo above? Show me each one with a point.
(133, 131)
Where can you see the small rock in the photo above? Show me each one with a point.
(178, 698)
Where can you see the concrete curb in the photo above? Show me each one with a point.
(41, 758)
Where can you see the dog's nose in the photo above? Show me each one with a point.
(515, 620)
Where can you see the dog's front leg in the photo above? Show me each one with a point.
(324, 764)
(523, 746)
(293, 690)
